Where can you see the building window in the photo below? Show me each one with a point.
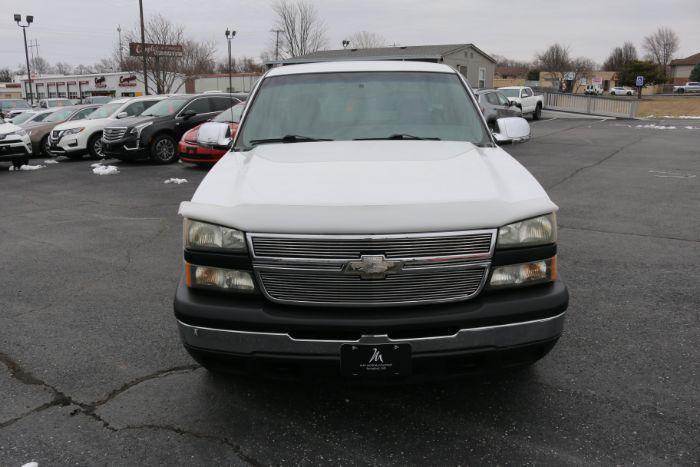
(482, 78)
(73, 95)
(40, 95)
(52, 94)
(62, 94)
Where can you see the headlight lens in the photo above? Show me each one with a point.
(206, 277)
(73, 131)
(201, 235)
(540, 230)
(534, 272)
(139, 128)
(17, 133)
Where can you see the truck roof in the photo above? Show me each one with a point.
(359, 65)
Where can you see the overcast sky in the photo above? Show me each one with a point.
(83, 31)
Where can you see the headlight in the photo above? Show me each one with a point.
(139, 128)
(204, 236)
(531, 232)
(206, 277)
(72, 131)
(17, 133)
(534, 272)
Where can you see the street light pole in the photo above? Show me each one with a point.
(143, 48)
(30, 20)
(229, 36)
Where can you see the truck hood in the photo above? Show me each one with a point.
(367, 187)
(6, 127)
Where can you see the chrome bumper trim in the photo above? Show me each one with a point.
(247, 342)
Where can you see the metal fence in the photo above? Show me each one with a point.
(591, 105)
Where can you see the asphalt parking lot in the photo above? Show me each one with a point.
(92, 370)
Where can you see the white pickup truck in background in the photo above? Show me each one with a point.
(691, 86)
(526, 99)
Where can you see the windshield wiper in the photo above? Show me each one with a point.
(288, 139)
(398, 136)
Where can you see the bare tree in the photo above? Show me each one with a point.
(303, 31)
(83, 70)
(366, 40)
(557, 61)
(5, 75)
(661, 46)
(39, 65)
(198, 57)
(63, 68)
(620, 57)
(106, 65)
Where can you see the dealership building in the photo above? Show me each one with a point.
(116, 84)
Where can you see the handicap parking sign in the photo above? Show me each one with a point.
(640, 81)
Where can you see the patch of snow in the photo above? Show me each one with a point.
(178, 181)
(31, 464)
(692, 117)
(100, 169)
(690, 127)
(96, 164)
(50, 161)
(656, 127)
(28, 167)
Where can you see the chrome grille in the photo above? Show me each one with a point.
(330, 270)
(350, 247)
(333, 288)
(113, 134)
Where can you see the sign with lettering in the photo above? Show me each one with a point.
(136, 49)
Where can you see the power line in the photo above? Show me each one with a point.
(277, 42)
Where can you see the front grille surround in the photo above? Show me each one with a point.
(113, 133)
(436, 268)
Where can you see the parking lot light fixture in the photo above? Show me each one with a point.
(29, 20)
(229, 35)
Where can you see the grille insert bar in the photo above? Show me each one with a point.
(113, 134)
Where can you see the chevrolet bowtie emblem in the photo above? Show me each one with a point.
(373, 267)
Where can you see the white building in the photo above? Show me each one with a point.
(116, 84)
(240, 82)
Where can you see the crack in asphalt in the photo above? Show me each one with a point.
(586, 167)
(89, 409)
(584, 229)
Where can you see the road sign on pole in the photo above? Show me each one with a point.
(160, 50)
(640, 81)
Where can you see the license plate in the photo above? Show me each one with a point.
(375, 361)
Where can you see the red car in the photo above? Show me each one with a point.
(191, 151)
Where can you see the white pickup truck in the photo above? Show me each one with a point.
(366, 223)
(690, 86)
(526, 99)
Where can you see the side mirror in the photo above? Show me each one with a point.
(122, 115)
(214, 135)
(512, 130)
(188, 114)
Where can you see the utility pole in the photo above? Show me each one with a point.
(143, 48)
(229, 35)
(30, 20)
(277, 42)
(121, 59)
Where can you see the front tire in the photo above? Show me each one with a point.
(537, 114)
(164, 150)
(681, 91)
(45, 147)
(94, 146)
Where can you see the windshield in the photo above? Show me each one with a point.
(59, 115)
(510, 92)
(23, 117)
(232, 115)
(165, 107)
(362, 105)
(104, 111)
(16, 104)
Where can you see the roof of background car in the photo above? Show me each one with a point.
(512, 87)
(483, 91)
(356, 65)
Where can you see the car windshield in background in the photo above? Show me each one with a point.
(362, 106)
(104, 111)
(165, 107)
(59, 115)
(232, 115)
(23, 117)
(14, 104)
(510, 92)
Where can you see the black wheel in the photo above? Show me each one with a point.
(681, 91)
(537, 114)
(612, 93)
(45, 146)
(94, 146)
(17, 163)
(164, 150)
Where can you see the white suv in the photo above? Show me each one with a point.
(74, 138)
(15, 145)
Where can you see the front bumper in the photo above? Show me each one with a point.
(15, 149)
(68, 144)
(194, 153)
(253, 328)
(127, 148)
